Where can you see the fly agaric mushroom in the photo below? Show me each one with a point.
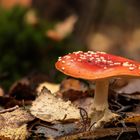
(98, 67)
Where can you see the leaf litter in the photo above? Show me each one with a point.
(64, 114)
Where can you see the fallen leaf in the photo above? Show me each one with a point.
(13, 124)
(22, 90)
(10, 133)
(73, 89)
(51, 86)
(75, 84)
(25, 88)
(49, 108)
(16, 117)
(131, 87)
(119, 83)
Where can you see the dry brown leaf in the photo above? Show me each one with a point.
(73, 89)
(9, 133)
(22, 90)
(119, 83)
(131, 87)
(49, 108)
(13, 124)
(16, 118)
(75, 84)
(51, 86)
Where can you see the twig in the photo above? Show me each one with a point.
(9, 109)
(39, 123)
(98, 133)
(49, 127)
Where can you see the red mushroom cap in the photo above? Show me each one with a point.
(97, 65)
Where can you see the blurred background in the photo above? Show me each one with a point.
(34, 33)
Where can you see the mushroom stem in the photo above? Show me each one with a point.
(100, 102)
(100, 111)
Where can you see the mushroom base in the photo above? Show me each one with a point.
(98, 118)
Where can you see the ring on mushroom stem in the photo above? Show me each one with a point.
(98, 67)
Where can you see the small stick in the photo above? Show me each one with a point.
(9, 109)
(38, 122)
(99, 133)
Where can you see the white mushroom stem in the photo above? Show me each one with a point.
(100, 111)
(100, 102)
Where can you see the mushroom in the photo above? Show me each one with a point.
(98, 67)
